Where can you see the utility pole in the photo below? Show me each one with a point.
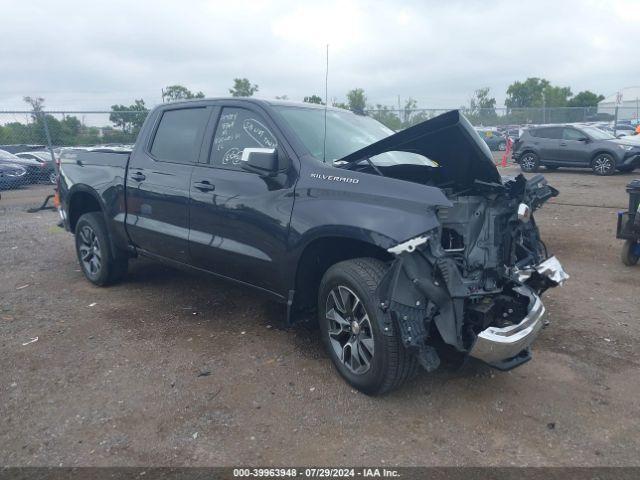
(544, 115)
(615, 121)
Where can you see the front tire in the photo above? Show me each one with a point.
(629, 256)
(100, 265)
(603, 164)
(349, 316)
(529, 163)
(502, 146)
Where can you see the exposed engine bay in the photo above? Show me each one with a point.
(474, 282)
(481, 272)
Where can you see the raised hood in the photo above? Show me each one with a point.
(448, 139)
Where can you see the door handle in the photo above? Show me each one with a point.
(205, 186)
(138, 176)
(563, 144)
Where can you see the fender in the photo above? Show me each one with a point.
(113, 216)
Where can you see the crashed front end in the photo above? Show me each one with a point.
(474, 282)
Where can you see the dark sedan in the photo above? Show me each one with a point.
(11, 176)
(47, 173)
(33, 167)
(493, 138)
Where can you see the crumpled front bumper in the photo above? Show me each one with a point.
(508, 347)
(496, 345)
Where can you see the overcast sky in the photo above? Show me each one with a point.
(90, 55)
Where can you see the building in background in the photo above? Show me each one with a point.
(629, 104)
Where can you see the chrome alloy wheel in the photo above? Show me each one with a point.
(350, 332)
(90, 253)
(528, 162)
(603, 165)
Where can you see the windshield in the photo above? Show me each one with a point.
(346, 133)
(4, 155)
(597, 134)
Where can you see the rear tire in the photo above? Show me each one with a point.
(529, 162)
(347, 295)
(629, 257)
(100, 265)
(603, 165)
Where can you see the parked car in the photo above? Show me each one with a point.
(575, 146)
(47, 171)
(624, 129)
(514, 134)
(11, 176)
(33, 167)
(493, 138)
(400, 244)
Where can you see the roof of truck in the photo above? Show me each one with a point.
(258, 101)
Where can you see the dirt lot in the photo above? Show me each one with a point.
(172, 368)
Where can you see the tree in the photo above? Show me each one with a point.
(531, 92)
(37, 105)
(386, 116)
(556, 96)
(357, 101)
(174, 93)
(130, 118)
(482, 107)
(585, 99)
(313, 99)
(527, 93)
(242, 88)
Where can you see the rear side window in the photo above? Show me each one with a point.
(238, 129)
(548, 132)
(179, 135)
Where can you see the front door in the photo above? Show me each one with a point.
(239, 221)
(573, 149)
(158, 181)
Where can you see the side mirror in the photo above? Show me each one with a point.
(263, 161)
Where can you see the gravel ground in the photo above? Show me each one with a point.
(173, 368)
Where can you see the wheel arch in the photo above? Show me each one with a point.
(317, 256)
(600, 152)
(82, 199)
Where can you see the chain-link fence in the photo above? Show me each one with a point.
(397, 119)
(30, 142)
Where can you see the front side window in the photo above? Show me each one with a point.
(572, 134)
(237, 129)
(179, 135)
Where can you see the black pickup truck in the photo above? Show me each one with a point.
(403, 245)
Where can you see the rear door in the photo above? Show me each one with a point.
(572, 150)
(547, 141)
(239, 221)
(159, 177)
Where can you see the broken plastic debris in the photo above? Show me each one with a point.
(92, 304)
(242, 332)
(195, 435)
(33, 340)
(22, 286)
